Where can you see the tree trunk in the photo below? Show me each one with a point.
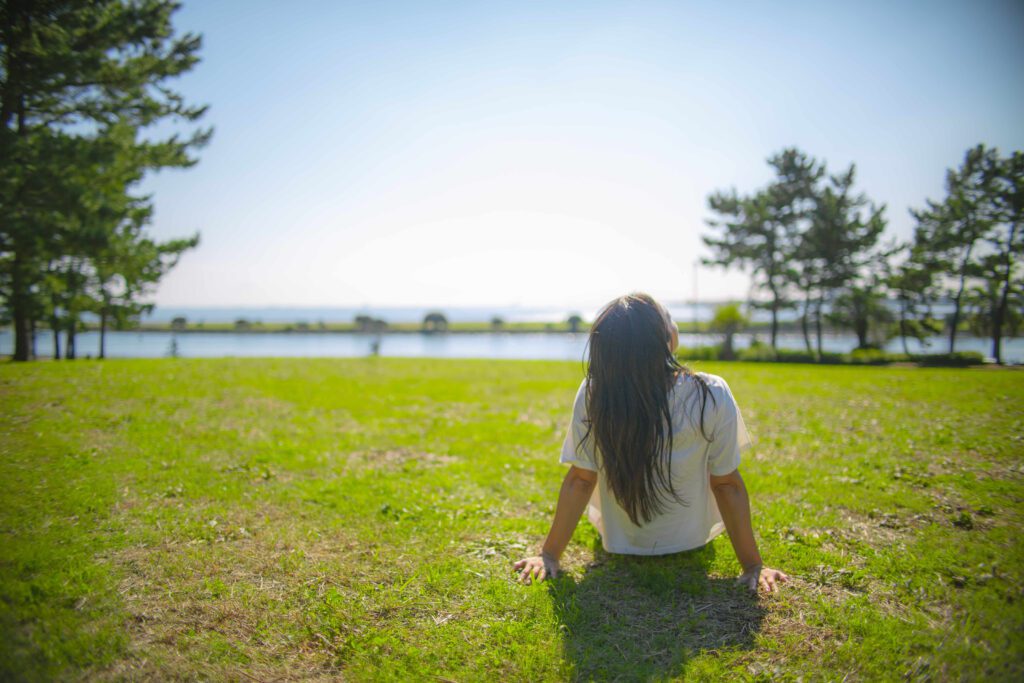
(775, 313)
(69, 351)
(861, 328)
(103, 333)
(903, 325)
(803, 322)
(817, 323)
(13, 106)
(956, 299)
(32, 338)
(55, 325)
(20, 311)
(1000, 312)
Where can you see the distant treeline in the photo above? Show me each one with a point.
(812, 243)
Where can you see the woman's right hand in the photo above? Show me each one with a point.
(762, 577)
(538, 567)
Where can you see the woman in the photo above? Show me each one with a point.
(649, 444)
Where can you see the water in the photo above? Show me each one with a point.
(483, 345)
(405, 314)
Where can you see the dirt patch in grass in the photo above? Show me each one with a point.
(391, 460)
(235, 606)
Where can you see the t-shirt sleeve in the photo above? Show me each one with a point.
(573, 453)
(730, 434)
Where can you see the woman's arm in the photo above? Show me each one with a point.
(572, 500)
(734, 504)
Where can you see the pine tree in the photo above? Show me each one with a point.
(759, 232)
(949, 233)
(80, 82)
(1006, 240)
(837, 245)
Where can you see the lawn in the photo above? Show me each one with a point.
(226, 519)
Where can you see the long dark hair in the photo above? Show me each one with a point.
(632, 369)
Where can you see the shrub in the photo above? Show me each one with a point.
(435, 321)
(728, 320)
(684, 353)
(957, 359)
(758, 353)
(876, 357)
(766, 354)
(795, 356)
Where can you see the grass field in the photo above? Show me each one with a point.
(357, 519)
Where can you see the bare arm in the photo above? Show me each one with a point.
(577, 486)
(734, 504)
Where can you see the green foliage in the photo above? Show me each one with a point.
(807, 233)
(435, 321)
(809, 236)
(957, 359)
(760, 232)
(973, 237)
(692, 353)
(82, 84)
(863, 309)
(727, 321)
(870, 356)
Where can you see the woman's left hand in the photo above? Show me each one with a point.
(762, 577)
(538, 567)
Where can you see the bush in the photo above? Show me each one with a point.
(795, 356)
(762, 353)
(766, 354)
(758, 353)
(684, 353)
(876, 357)
(435, 321)
(957, 359)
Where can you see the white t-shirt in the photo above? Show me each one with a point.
(693, 460)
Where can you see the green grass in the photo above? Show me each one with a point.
(294, 519)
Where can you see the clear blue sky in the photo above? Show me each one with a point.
(449, 153)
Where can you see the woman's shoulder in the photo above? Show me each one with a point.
(718, 390)
(714, 383)
(580, 402)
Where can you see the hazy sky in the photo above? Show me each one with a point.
(450, 153)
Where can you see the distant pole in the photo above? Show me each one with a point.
(696, 306)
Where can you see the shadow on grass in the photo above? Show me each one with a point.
(641, 618)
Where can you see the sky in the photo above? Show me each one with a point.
(551, 153)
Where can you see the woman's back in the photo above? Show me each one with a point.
(681, 525)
